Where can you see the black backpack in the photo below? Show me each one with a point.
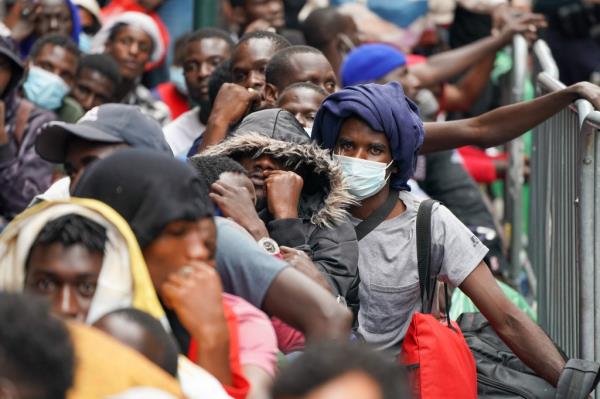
(501, 375)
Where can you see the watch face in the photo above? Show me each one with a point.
(269, 246)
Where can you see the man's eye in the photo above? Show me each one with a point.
(87, 289)
(330, 87)
(45, 285)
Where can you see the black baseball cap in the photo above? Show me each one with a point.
(107, 123)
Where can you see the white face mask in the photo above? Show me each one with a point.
(364, 178)
(308, 131)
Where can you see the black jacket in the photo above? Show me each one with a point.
(322, 229)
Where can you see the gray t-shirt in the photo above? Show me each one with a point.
(246, 270)
(389, 286)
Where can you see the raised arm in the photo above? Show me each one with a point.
(448, 64)
(505, 123)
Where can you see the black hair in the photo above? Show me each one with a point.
(279, 41)
(210, 33)
(35, 347)
(179, 48)
(103, 64)
(279, 65)
(210, 167)
(236, 3)
(220, 76)
(73, 229)
(322, 25)
(327, 361)
(163, 350)
(56, 40)
(305, 85)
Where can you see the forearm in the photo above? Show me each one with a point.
(527, 340)
(496, 127)
(213, 354)
(307, 307)
(215, 133)
(470, 87)
(443, 66)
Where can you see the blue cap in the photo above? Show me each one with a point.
(369, 62)
(107, 123)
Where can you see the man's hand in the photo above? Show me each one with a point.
(526, 24)
(301, 262)
(195, 294)
(25, 24)
(587, 91)
(3, 132)
(236, 204)
(283, 193)
(232, 103)
(259, 25)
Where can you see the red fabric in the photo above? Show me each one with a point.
(479, 164)
(117, 7)
(446, 367)
(177, 103)
(288, 338)
(240, 386)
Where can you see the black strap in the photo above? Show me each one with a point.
(428, 277)
(427, 280)
(377, 216)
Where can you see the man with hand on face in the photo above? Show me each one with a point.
(202, 52)
(170, 213)
(133, 40)
(246, 93)
(300, 199)
(23, 174)
(50, 76)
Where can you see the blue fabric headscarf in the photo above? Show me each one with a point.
(370, 62)
(385, 109)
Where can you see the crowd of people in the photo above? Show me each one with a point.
(193, 216)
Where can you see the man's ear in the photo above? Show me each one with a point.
(271, 94)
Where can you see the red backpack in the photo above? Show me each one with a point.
(435, 351)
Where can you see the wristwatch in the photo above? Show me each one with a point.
(269, 245)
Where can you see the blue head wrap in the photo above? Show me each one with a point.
(385, 109)
(370, 62)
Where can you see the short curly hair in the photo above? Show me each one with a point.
(210, 167)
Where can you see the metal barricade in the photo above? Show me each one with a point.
(564, 235)
(516, 151)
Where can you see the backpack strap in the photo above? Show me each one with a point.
(23, 112)
(377, 216)
(578, 378)
(427, 280)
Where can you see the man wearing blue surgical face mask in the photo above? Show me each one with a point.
(50, 76)
(375, 132)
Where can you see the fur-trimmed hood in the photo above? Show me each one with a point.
(324, 197)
